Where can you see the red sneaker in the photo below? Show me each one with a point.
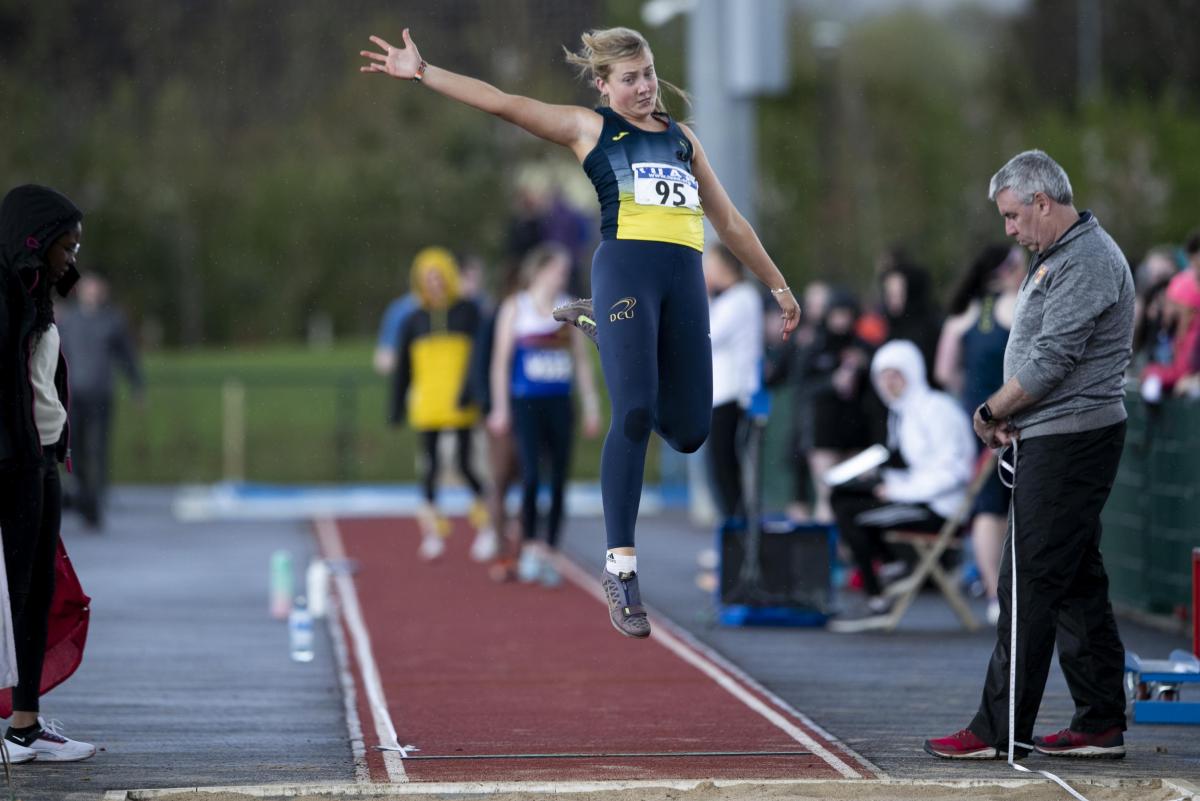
(960, 745)
(1100, 745)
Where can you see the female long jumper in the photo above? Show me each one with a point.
(654, 184)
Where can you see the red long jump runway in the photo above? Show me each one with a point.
(509, 682)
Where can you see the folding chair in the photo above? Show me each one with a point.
(929, 548)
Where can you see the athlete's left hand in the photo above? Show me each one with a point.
(790, 310)
(398, 62)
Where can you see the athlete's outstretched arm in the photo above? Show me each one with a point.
(570, 126)
(738, 235)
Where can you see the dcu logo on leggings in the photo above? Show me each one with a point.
(622, 310)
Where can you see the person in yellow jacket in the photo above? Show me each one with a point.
(435, 391)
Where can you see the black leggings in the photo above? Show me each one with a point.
(462, 438)
(543, 426)
(725, 445)
(30, 513)
(652, 326)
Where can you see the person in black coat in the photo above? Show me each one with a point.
(40, 233)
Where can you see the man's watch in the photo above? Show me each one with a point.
(985, 413)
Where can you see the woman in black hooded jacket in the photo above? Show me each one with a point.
(40, 232)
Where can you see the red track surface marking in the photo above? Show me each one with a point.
(469, 668)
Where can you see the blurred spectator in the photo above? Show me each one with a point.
(1152, 332)
(432, 390)
(503, 465)
(1182, 316)
(393, 319)
(911, 311)
(780, 362)
(832, 375)
(970, 364)
(96, 343)
(931, 433)
(1158, 266)
(736, 330)
(533, 361)
(1189, 384)
(542, 214)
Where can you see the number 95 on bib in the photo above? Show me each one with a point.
(664, 185)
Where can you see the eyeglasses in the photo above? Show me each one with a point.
(71, 250)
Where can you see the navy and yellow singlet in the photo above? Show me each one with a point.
(644, 182)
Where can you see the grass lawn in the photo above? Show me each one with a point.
(310, 416)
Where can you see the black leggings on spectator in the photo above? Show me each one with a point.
(862, 518)
(462, 441)
(725, 457)
(543, 426)
(30, 513)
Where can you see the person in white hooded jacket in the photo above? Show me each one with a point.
(931, 434)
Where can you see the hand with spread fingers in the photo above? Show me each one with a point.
(398, 62)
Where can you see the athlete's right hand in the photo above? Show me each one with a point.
(790, 310)
(398, 62)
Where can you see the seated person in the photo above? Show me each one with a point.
(931, 433)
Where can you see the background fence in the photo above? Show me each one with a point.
(1152, 520)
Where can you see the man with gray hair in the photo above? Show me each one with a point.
(1061, 416)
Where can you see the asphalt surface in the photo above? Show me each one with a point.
(186, 679)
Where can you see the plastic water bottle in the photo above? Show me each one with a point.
(300, 631)
(281, 584)
(316, 585)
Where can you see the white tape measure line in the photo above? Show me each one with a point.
(1011, 483)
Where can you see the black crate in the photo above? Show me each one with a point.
(795, 587)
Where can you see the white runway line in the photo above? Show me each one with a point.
(331, 545)
(783, 705)
(358, 748)
(591, 585)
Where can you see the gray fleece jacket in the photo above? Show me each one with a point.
(1072, 334)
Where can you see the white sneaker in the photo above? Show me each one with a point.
(529, 566)
(486, 545)
(432, 546)
(550, 577)
(17, 753)
(52, 746)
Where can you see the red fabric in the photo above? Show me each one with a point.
(1180, 366)
(67, 634)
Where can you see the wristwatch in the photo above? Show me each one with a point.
(985, 413)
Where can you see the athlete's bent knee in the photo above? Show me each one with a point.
(687, 442)
(638, 424)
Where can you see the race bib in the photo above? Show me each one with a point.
(664, 185)
(547, 366)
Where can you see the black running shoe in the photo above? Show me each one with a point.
(579, 314)
(625, 608)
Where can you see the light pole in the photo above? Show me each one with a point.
(736, 52)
